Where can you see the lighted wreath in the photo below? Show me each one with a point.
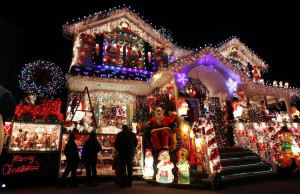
(41, 78)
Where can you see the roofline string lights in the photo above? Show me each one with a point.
(75, 26)
(179, 63)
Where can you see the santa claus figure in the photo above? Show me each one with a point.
(164, 167)
(148, 170)
(161, 131)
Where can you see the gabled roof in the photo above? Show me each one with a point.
(185, 59)
(183, 63)
(107, 21)
(244, 53)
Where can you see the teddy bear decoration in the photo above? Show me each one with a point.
(183, 166)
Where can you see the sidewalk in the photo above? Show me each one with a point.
(141, 187)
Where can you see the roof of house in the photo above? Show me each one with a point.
(233, 66)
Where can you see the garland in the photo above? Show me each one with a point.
(41, 78)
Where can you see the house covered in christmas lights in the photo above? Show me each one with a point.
(128, 68)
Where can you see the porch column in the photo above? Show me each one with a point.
(265, 100)
(287, 101)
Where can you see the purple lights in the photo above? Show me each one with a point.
(116, 72)
(128, 69)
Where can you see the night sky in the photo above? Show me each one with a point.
(269, 28)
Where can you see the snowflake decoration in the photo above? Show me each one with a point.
(232, 86)
(182, 78)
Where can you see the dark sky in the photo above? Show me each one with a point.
(269, 28)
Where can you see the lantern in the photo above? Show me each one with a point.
(183, 107)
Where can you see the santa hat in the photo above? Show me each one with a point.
(162, 152)
(148, 152)
(68, 124)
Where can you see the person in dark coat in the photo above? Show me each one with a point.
(7, 104)
(125, 144)
(72, 159)
(89, 156)
(116, 166)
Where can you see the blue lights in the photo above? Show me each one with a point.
(117, 72)
(125, 69)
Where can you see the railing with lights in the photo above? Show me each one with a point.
(276, 143)
(103, 71)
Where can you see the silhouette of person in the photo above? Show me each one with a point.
(72, 159)
(7, 104)
(89, 156)
(116, 166)
(7, 110)
(125, 144)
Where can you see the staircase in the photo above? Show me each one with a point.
(240, 165)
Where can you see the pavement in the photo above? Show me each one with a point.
(290, 186)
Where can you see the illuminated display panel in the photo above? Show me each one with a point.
(34, 137)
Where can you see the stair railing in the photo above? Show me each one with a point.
(207, 153)
(265, 139)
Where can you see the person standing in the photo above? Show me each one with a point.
(89, 156)
(72, 159)
(125, 144)
(7, 104)
(7, 111)
(116, 166)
